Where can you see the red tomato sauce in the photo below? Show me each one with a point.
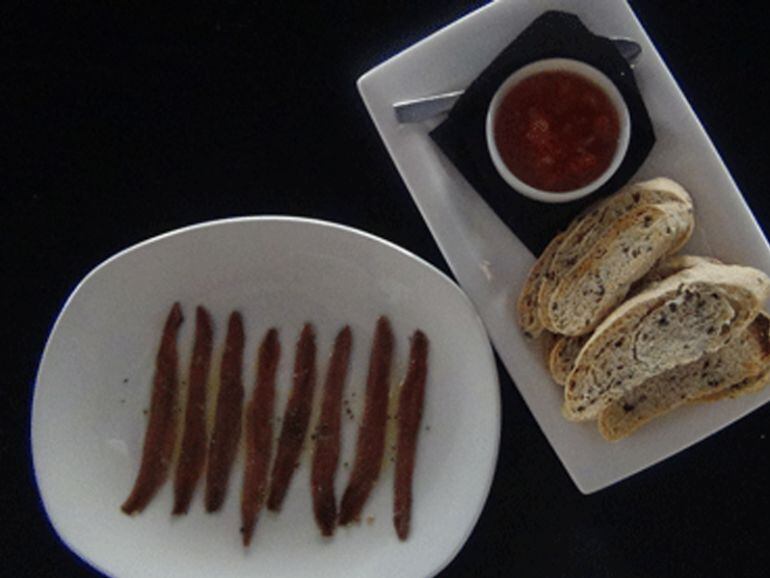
(556, 131)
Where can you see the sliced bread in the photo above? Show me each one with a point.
(674, 322)
(564, 349)
(627, 252)
(526, 306)
(591, 226)
(739, 366)
(563, 354)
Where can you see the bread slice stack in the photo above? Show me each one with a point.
(741, 366)
(636, 331)
(687, 315)
(588, 269)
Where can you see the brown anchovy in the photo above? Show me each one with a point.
(410, 404)
(161, 427)
(327, 442)
(259, 434)
(192, 455)
(227, 422)
(296, 418)
(370, 445)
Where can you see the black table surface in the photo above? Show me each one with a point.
(119, 123)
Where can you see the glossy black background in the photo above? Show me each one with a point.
(117, 124)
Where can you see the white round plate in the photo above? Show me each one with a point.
(94, 383)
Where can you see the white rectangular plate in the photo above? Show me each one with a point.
(491, 264)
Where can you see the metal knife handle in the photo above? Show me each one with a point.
(420, 109)
(427, 107)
